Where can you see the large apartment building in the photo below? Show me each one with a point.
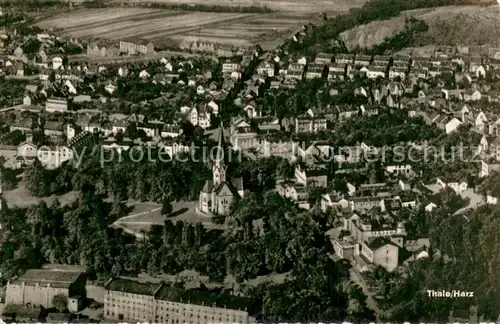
(131, 300)
(135, 48)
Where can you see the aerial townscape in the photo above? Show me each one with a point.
(253, 161)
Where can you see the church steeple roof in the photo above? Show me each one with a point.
(221, 156)
(220, 141)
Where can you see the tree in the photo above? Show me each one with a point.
(60, 302)
(32, 46)
(166, 208)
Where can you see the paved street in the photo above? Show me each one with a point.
(372, 304)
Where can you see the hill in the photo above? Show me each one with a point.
(448, 25)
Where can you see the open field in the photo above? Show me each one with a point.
(163, 26)
(448, 25)
(146, 214)
(301, 6)
(20, 197)
(168, 26)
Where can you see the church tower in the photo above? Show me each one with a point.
(1, 193)
(219, 167)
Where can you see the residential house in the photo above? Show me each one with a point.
(314, 71)
(144, 75)
(380, 251)
(344, 247)
(491, 199)
(266, 69)
(450, 94)
(430, 207)
(346, 112)
(241, 135)
(344, 58)
(363, 227)
(323, 59)
(381, 61)
(457, 185)
(472, 95)
(310, 124)
(395, 72)
(494, 147)
(293, 75)
(95, 50)
(18, 52)
(362, 60)
(202, 47)
(473, 63)
(22, 124)
(251, 111)
(230, 67)
(373, 72)
(452, 125)
(311, 177)
(57, 62)
(399, 169)
(418, 73)
(297, 193)
(53, 128)
(333, 200)
(169, 130)
(42, 56)
(56, 104)
(337, 72)
(110, 88)
(52, 157)
(26, 154)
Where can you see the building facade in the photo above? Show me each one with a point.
(130, 300)
(39, 286)
(56, 104)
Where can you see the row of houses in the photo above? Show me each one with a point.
(200, 46)
(127, 47)
(339, 67)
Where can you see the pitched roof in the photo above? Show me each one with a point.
(377, 242)
(131, 286)
(222, 156)
(56, 277)
(204, 297)
(208, 187)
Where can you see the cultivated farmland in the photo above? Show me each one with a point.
(161, 25)
(166, 26)
(298, 6)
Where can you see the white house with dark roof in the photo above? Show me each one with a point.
(380, 251)
(457, 185)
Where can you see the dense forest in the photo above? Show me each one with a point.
(80, 234)
(405, 38)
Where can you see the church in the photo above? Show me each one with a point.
(219, 193)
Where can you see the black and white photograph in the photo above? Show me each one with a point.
(250, 161)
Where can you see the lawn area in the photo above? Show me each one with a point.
(22, 198)
(146, 214)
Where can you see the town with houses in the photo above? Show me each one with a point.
(62, 104)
